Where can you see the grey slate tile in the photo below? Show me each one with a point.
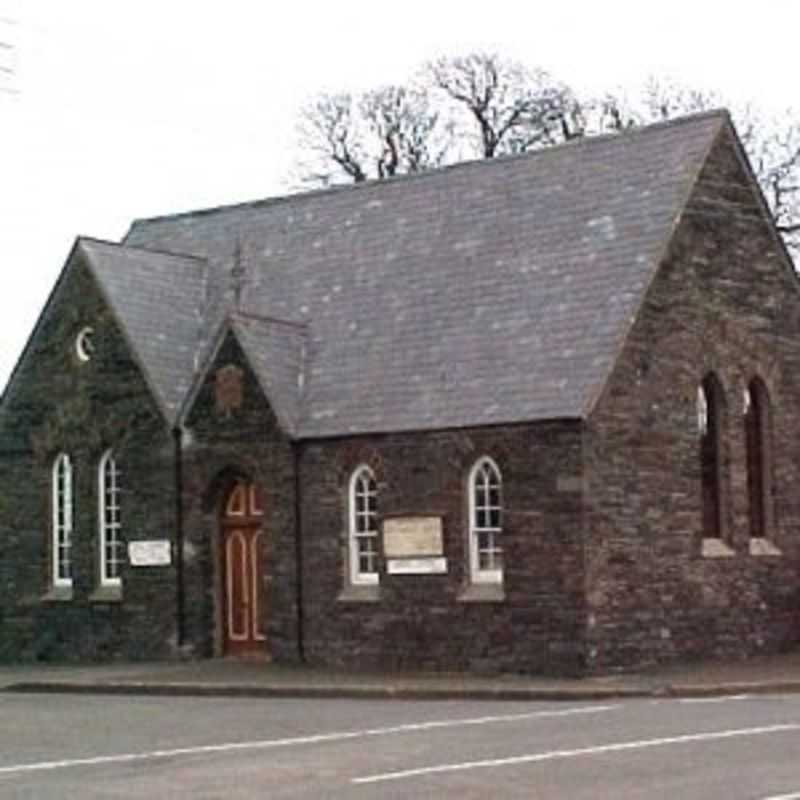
(488, 292)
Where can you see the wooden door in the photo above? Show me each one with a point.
(242, 558)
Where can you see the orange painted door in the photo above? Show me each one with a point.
(243, 596)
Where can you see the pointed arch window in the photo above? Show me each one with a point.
(61, 528)
(759, 473)
(709, 417)
(485, 522)
(109, 520)
(363, 527)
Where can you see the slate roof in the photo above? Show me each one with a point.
(488, 292)
(158, 299)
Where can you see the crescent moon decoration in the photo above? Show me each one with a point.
(84, 347)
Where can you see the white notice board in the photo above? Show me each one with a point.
(150, 553)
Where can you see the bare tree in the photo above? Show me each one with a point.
(384, 132)
(774, 150)
(476, 106)
(515, 108)
(481, 106)
(331, 140)
(405, 129)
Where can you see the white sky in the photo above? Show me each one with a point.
(131, 108)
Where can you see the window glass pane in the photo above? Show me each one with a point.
(487, 518)
(110, 524)
(363, 520)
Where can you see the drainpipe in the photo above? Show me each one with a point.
(298, 553)
(179, 590)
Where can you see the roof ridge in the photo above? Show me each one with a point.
(153, 250)
(475, 163)
(250, 316)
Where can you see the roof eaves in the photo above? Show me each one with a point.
(545, 419)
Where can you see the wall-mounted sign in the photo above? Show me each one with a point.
(150, 553)
(416, 566)
(409, 537)
(229, 389)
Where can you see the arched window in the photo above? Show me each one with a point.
(485, 522)
(759, 473)
(709, 418)
(61, 529)
(363, 533)
(109, 540)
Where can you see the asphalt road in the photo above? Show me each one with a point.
(62, 746)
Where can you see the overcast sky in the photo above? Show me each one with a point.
(131, 108)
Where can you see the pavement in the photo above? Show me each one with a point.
(230, 678)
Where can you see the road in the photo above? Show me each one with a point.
(62, 746)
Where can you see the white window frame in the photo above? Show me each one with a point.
(108, 519)
(477, 527)
(359, 534)
(62, 521)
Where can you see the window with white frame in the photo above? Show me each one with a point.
(485, 522)
(110, 542)
(363, 533)
(62, 521)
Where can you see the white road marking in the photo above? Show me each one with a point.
(552, 755)
(795, 796)
(414, 727)
(714, 699)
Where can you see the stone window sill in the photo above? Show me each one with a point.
(716, 548)
(106, 594)
(764, 547)
(58, 594)
(483, 593)
(368, 593)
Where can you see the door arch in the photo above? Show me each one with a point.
(244, 601)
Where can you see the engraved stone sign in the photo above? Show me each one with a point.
(416, 566)
(410, 537)
(150, 553)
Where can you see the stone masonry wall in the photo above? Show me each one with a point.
(59, 404)
(429, 621)
(724, 300)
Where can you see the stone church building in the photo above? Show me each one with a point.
(535, 414)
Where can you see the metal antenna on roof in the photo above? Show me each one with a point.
(238, 272)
